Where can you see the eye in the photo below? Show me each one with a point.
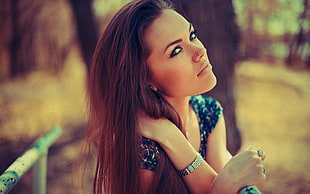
(176, 51)
(193, 35)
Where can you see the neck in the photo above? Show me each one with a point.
(181, 105)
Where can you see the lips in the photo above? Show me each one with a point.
(205, 66)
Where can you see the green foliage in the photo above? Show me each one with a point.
(277, 17)
(274, 28)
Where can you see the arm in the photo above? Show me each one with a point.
(179, 150)
(243, 169)
(182, 153)
(217, 153)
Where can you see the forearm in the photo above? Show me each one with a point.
(217, 153)
(182, 153)
(243, 169)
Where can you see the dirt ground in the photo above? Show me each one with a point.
(273, 112)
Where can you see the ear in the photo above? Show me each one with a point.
(152, 87)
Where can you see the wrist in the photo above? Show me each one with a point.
(223, 184)
(192, 166)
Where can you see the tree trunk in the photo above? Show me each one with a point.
(216, 28)
(34, 44)
(17, 67)
(86, 28)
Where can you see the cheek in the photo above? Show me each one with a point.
(167, 77)
(173, 81)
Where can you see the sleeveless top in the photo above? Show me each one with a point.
(208, 112)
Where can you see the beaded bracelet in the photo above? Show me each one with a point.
(192, 166)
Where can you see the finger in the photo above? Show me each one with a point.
(261, 154)
(264, 176)
(261, 174)
(264, 170)
(260, 169)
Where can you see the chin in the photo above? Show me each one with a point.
(206, 89)
(210, 84)
(207, 85)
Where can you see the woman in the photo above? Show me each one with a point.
(152, 131)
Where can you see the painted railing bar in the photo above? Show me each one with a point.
(22, 164)
(39, 175)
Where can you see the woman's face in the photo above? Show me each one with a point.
(178, 61)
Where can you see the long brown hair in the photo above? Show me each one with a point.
(118, 89)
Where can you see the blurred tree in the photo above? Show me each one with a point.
(299, 41)
(216, 28)
(21, 60)
(254, 19)
(35, 38)
(281, 27)
(86, 28)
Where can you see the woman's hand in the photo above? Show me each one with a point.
(155, 129)
(244, 169)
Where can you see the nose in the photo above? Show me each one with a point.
(199, 53)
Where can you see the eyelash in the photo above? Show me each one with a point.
(179, 49)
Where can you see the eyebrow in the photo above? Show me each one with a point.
(179, 40)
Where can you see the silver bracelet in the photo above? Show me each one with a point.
(192, 166)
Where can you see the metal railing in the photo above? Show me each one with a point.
(36, 157)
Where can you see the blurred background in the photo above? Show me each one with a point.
(261, 56)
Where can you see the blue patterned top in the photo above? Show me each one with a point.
(208, 112)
